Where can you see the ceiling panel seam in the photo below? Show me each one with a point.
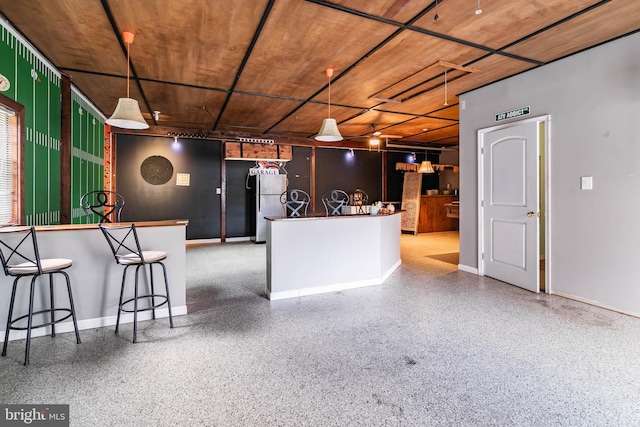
(409, 26)
(352, 66)
(247, 55)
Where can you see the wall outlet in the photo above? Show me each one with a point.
(218, 190)
(586, 183)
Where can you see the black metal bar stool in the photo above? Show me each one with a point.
(107, 205)
(21, 258)
(124, 243)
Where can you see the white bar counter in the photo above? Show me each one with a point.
(95, 276)
(317, 254)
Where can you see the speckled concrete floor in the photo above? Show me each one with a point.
(432, 346)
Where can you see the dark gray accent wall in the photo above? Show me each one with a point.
(395, 178)
(197, 202)
(201, 159)
(240, 199)
(338, 169)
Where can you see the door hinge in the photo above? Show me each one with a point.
(483, 256)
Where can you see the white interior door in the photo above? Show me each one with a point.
(510, 220)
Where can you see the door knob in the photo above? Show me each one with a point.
(530, 214)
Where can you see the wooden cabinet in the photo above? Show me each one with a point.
(433, 214)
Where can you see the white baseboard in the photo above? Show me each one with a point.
(98, 322)
(196, 242)
(468, 269)
(274, 296)
(594, 303)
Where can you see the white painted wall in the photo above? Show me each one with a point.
(594, 102)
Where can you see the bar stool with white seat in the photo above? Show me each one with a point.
(125, 246)
(21, 258)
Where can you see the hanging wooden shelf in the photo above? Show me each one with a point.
(252, 152)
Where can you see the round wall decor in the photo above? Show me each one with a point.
(156, 170)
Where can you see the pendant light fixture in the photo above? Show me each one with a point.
(127, 114)
(374, 139)
(425, 167)
(478, 10)
(329, 130)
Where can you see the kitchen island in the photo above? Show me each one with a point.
(95, 276)
(317, 254)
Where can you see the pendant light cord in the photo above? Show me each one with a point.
(128, 68)
(329, 104)
(445, 88)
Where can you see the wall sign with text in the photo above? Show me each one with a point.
(522, 111)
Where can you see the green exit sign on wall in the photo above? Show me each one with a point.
(522, 111)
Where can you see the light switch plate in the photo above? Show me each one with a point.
(586, 183)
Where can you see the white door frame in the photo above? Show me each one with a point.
(547, 185)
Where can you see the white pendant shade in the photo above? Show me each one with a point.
(329, 131)
(127, 115)
(425, 167)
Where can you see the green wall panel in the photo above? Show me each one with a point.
(87, 154)
(8, 63)
(36, 85)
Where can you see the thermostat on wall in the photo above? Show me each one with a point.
(183, 179)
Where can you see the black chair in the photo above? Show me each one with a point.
(106, 204)
(334, 201)
(21, 258)
(126, 249)
(295, 202)
(360, 199)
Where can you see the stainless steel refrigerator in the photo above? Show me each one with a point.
(268, 189)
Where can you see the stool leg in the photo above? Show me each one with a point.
(124, 276)
(30, 320)
(73, 308)
(135, 307)
(6, 334)
(166, 285)
(153, 300)
(53, 317)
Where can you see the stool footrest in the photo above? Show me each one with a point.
(18, 328)
(153, 307)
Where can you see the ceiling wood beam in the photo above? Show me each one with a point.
(247, 55)
(357, 62)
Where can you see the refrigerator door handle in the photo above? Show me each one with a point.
(258, 192)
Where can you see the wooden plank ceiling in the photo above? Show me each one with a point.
(257, 67)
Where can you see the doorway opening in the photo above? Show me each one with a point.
(513, 188)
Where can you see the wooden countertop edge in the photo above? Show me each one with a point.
(139, 224)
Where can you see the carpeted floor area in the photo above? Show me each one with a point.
(432, 346)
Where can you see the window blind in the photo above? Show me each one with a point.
(8, 141)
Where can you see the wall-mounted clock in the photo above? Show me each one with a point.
(4, 83)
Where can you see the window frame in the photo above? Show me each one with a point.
(18, 166)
